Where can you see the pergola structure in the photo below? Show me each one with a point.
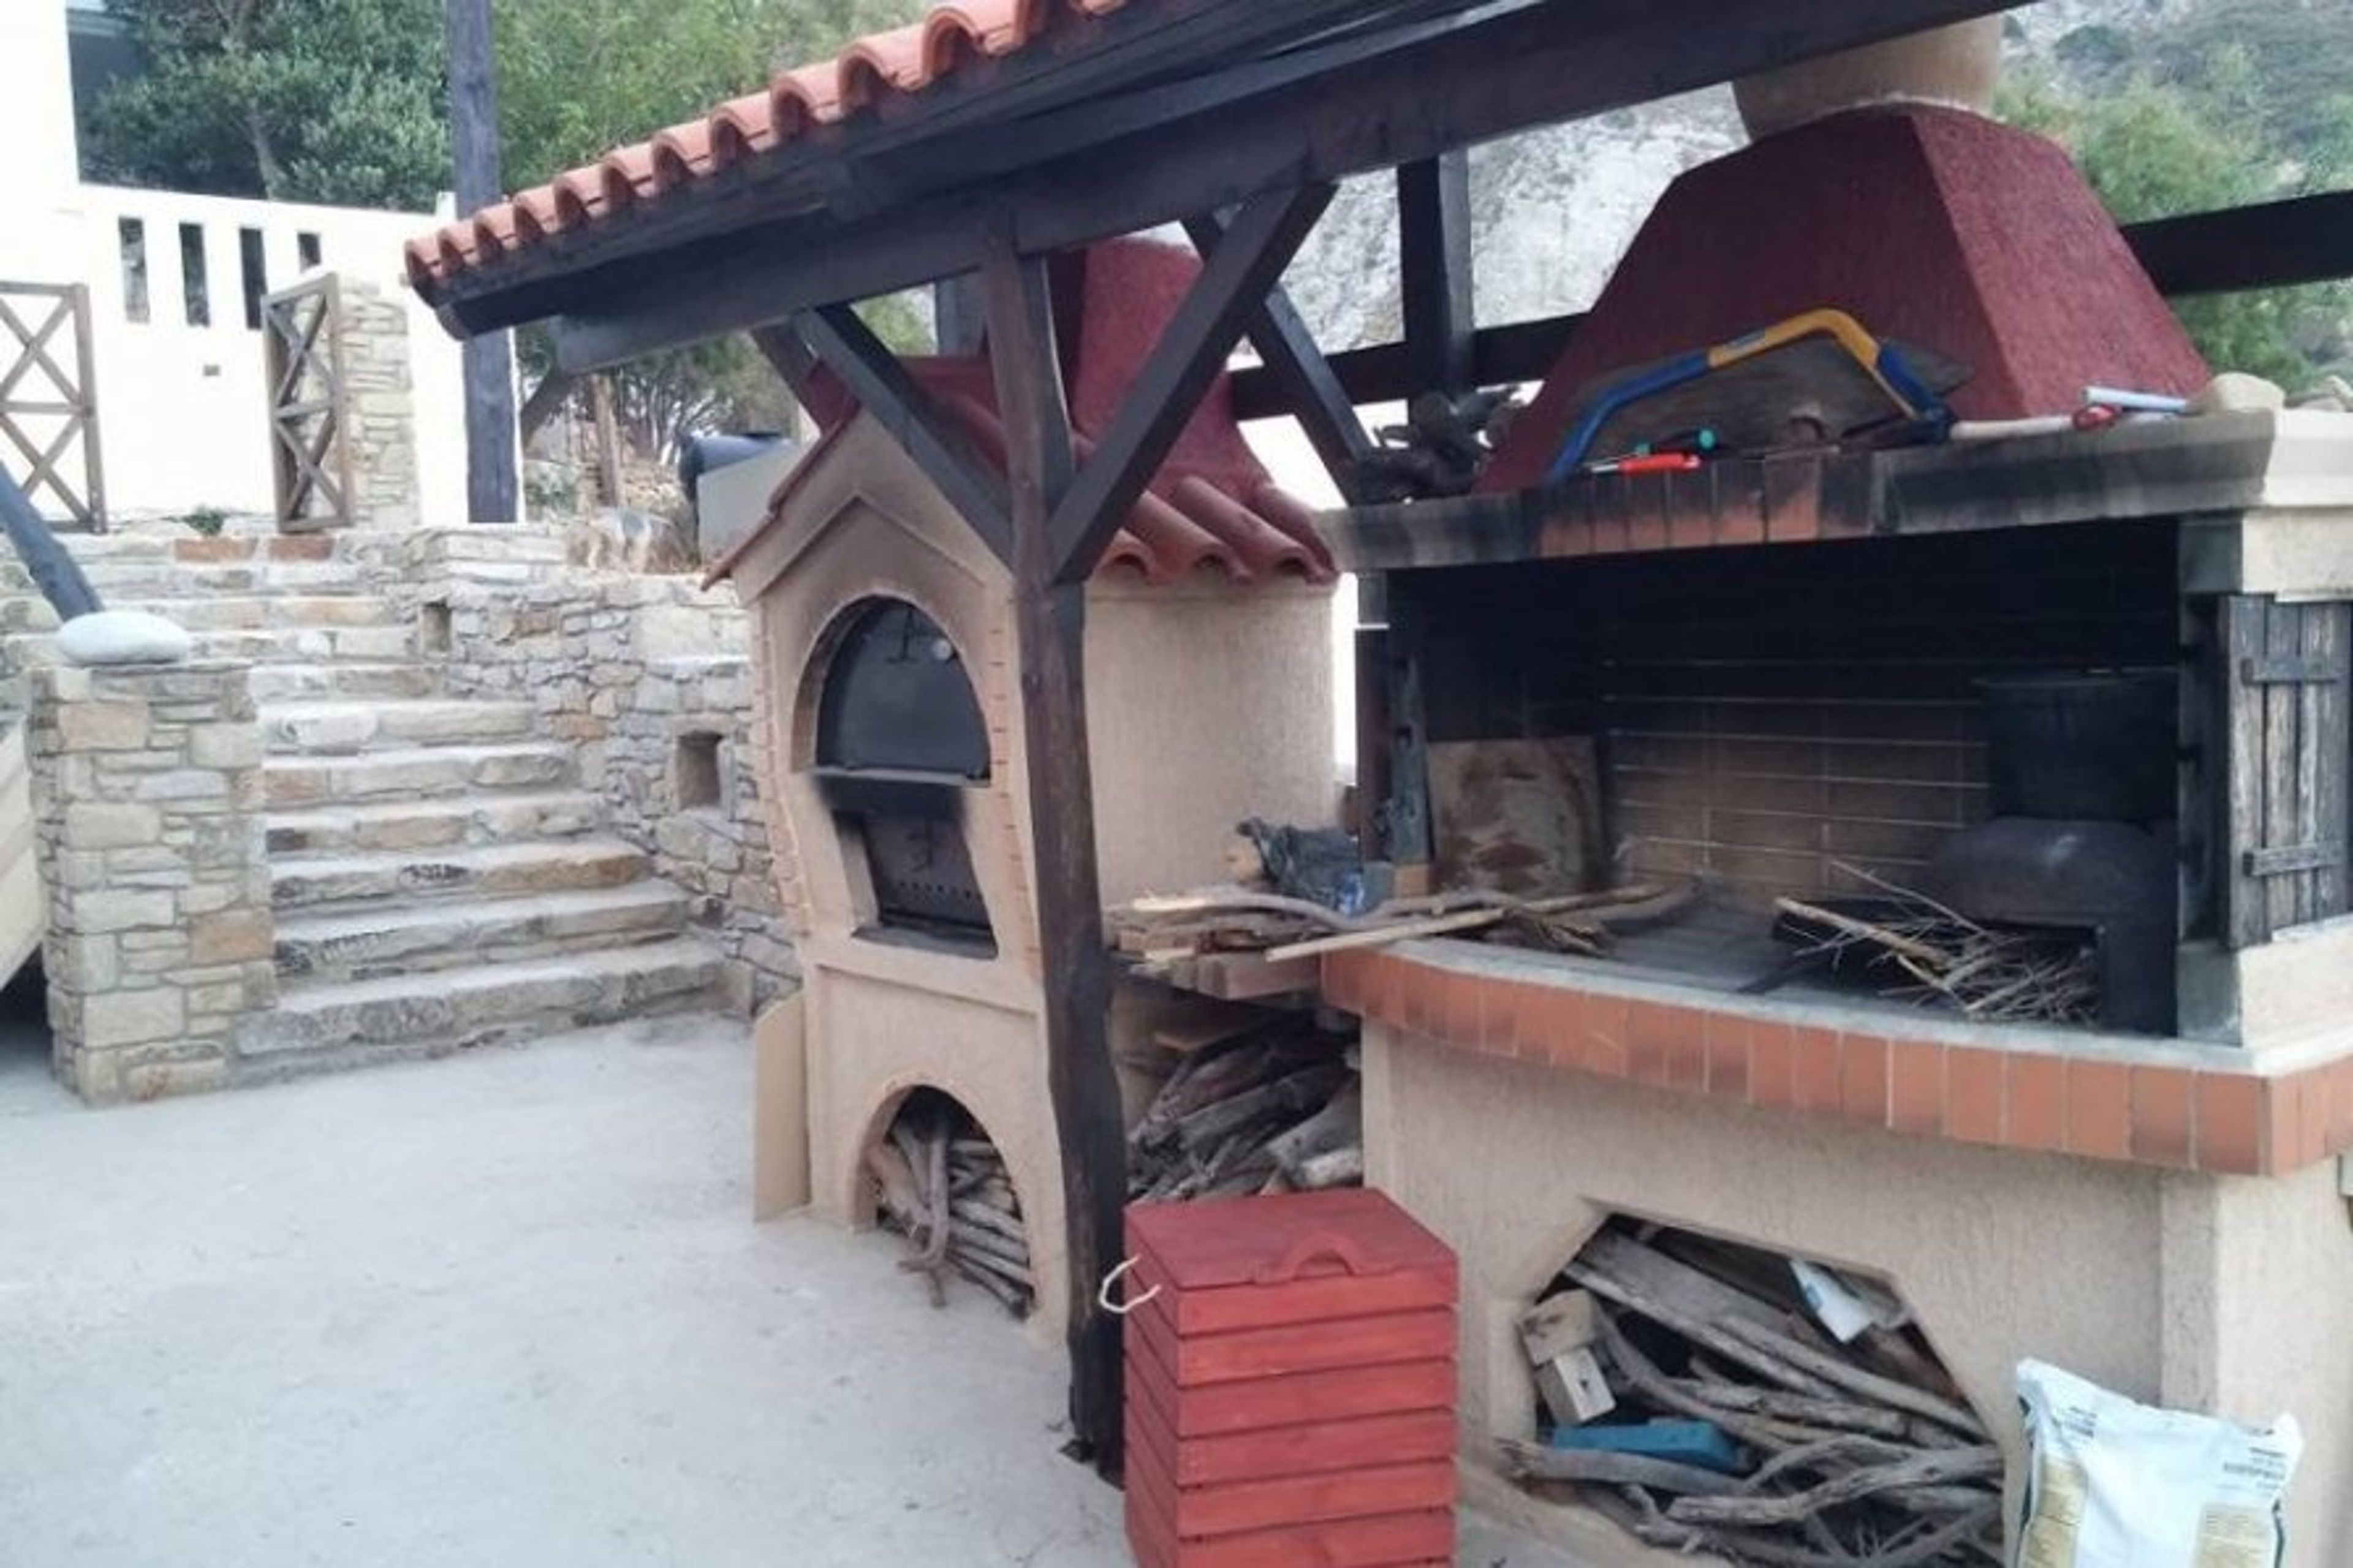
(968, 150)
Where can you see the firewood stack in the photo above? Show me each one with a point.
(1718, 1399)
(946, 1189)
(1272, 1110)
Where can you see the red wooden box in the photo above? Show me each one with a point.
(1291, 1384)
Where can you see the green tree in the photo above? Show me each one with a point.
(575, 80)
(337, 101)
(2154, 149)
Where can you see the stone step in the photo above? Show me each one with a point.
(326, 729)
(424, 771)
(326, 1027)
(244, 613)
(469, 871)
(295, 645)
(368, 944)
(285, 683)
(257, 612)
(505, 818)
(174, 580)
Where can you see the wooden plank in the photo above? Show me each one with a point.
(1435, 270)
(2329, 744)
(1310, 392)
(2283, 817)
(1168, 388)
(2245, 630)
(2307, 671)
(1050, 636)
(882, 386)
(1406, 808)
(85, 393)
(2288, 860)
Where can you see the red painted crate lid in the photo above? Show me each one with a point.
(1282, 1238)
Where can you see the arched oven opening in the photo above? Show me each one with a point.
(940, 1183)
(901, 744)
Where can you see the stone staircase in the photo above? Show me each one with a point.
(441, 876)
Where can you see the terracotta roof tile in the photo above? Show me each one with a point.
(895, 64)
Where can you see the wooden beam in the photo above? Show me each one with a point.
(1524, 351)
(493, 489)
(792, 359)
(1113, 166)
(1434, 268)
(1192, 349)
(1049, 633)
(959, 317)
(1303, 377)
(884, 389)
(2308, 239)
(544, 400)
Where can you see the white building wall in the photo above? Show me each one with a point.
(182, 408)
(182, 412)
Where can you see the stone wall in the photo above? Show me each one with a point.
(379, 407)
(147, 807)
(649, 678)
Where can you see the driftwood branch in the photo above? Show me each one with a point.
(1854, 1380)
(1935, 1469)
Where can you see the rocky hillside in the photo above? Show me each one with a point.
(1554, 208)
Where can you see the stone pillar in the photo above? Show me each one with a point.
(147, 800)
(380, 406)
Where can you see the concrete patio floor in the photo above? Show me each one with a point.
(501, 1310)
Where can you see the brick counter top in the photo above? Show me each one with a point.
(2176, 1103)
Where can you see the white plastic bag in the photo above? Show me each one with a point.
(2115, 1484)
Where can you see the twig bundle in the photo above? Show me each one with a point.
(1989, 972)
(945, 1187)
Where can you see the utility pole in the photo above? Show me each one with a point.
(490, 482)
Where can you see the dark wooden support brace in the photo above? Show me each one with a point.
(1434, 255)
(544, 400)
(1308, 386)
(1050, 630)
(884, 389)
(959, 316)
(1232, 288)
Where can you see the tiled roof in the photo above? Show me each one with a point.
(899, 63)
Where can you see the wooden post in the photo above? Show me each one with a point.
(1434, 258)
(1049, 628)
(492, 487)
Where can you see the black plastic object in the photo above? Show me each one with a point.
(2083, 746)
(56, 573)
